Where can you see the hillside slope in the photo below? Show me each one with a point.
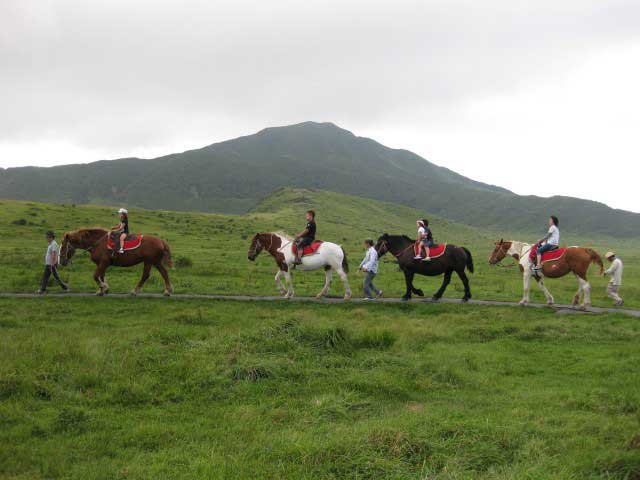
(233, 177)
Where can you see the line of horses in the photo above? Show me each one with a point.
(155, 252)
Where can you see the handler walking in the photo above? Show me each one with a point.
(615, 271)
(51, 265)
(370, 266)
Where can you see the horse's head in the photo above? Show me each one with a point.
(499, 252)
(382, 245)
(255, 248)
(67, 250)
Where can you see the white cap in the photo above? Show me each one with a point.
(609, 255)
(123, 210)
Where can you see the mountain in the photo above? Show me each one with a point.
(233, 176)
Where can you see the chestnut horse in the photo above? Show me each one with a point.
(328, 256)
(153, 251)
(575, 260)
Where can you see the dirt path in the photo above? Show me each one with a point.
(560, 309)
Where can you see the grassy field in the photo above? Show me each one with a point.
(153, 388)
(210, 250)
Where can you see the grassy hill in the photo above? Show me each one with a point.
(234, 176)
(210, 249)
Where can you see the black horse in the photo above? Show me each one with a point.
(453, 259)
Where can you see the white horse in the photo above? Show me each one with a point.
(329, 256)
(575, 260)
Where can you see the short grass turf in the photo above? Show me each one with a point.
(153, 388)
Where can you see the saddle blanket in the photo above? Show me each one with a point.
(547, 256)
(308, 250)
(434, 252)
(132, 242)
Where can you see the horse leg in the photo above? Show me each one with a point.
(586, 292)
(99, 278)
(546, 292)
(576, 297)
(445, 283)
(283, 290)
(168, 288)
(145, 276)
(408, 278)
(345, 281)
(328, 273)
(526, 279)
(465, 282)
(289, 282)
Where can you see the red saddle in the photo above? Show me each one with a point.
(547, 256)
(132, 242)
(308, 250)
(434, 252)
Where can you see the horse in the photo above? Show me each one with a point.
(328, 256)
(575, 260)
(153, 251)
(452, 259)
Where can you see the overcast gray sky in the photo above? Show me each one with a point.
(495, 90)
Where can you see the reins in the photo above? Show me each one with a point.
(386, 244)
(84, 250)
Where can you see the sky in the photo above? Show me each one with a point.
(538, 97)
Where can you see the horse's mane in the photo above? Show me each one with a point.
(93, 230)
(404, 237)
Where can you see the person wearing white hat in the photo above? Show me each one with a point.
(122, 228)
(615, 272)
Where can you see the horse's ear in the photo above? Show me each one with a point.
(501, 241)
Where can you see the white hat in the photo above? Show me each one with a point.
(123, 210)
(609, 255)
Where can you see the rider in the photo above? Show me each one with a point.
(122, 228)
(425, 239)
(306, 237)
(551, 241)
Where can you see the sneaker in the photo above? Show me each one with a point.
(417, 257)
(367, 298)
(426, 259)
(121, 250)
(379, 295)
(41, 292)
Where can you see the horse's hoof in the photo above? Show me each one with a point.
(134, 293)
(550, 303)
(435, 299)
(166, 293)
(347, 297)
(523, 303)
(583, 308)
(465, 299)
(420, 293)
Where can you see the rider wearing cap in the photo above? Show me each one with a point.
(122, 228)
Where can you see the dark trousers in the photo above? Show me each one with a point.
(48, 271)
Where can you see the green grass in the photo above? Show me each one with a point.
(210, 250)
(151, 388)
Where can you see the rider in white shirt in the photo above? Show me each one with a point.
(550, 242)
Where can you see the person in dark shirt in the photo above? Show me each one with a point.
(122, 228)
(307, 236)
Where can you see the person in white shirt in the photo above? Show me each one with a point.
(550, 242)
(370, 266)
(51, 265)
(615, 272)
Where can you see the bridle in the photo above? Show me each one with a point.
(254, 252)
(499, 262)
(67, 242)
(387, 249)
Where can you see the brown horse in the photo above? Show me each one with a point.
(575, 260)
(153, 251)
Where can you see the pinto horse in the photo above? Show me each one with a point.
(575, 260)
(453, 259)
(328, 256)
(153, 251)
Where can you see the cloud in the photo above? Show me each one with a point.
(459, 81)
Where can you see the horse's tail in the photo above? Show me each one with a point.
(469, 259)
(166, 254)
(345, 264)
(595, 258)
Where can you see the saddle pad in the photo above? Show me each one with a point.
(434, 252)
(548, 256)
(308, 250)
(132, 242)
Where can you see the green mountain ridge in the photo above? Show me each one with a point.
(235, 175)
